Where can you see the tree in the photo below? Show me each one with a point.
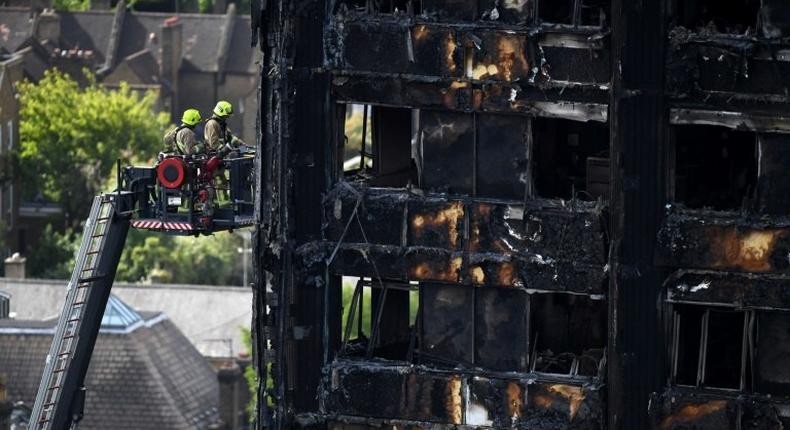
(71, 137)
(53, 258)
(211, 260)
(71, 5)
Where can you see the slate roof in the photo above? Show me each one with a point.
(15, 27)
(223, 310)
(149, 377)
(90, 30)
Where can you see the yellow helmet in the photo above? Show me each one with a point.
(191, 117)
(223, 109)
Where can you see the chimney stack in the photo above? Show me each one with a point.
(15, 266)
(171, 58)
(47, 26)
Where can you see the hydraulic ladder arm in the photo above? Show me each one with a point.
(61, 394)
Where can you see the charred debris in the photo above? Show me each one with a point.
(548, 214)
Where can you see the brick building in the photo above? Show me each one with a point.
(558, 214)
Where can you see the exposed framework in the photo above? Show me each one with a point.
(508, 189)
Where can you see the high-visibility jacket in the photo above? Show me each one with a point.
(181, 140)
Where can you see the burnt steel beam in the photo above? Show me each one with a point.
(763, 122)
(561, 101)
(538, 246)
(722, 70)
(363, 392)
(637, 121)
(730, 289)
(468, 53)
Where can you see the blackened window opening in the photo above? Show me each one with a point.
(379, 319)
(733, 16)
(772, 374)
(570, 159)
(713, 347)
(715, 167)
(377, 145)
(556, 11)
(568, 333)
(723, 359)
(413, 7)
(594, 12)
(688, 329)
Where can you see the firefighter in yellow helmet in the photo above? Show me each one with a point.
(217, 134)
(182, 140)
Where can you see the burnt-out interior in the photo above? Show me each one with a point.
(556, 11)
(481, 155)
(712, 347)
(687, 331)
(772, 374)
(577, 12)
(377, 145)
(721, 348)
(568, 333)
(570, 158)
(715, 167)
(413, 7)
(378, 319)
(595, 12)
(731, 16)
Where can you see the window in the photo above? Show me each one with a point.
(569, 334)
(772, 374)
(715, 167)
(556, 11)
(726, 16)
(376, 145)
(714, 347)
(570, 159)
(474, 154)
(499, 329)
(378, 318)
(576, 12)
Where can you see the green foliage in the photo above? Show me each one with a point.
(71, 5)
(353, 132)
(154, 257)
(205, 6)
(250, 375)
(71, 137)
(53, 258)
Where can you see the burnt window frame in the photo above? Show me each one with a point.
(747, 341)
(575, 15)
(364, 347)
(532, 191)
(673, 10)
(370, 150)
(672, 163)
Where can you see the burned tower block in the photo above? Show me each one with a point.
(542, 214)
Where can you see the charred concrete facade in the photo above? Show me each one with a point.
(557, 214)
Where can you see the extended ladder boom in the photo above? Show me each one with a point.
(61, 394)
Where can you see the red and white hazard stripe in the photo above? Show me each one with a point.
(177, 226)
(147, 224)
(159, 225)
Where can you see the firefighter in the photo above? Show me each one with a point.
(219, 138)
(217, 134)
(182, 140)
